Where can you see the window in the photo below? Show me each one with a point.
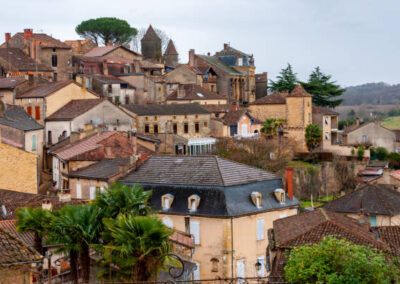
(217, 115)
(155, 118)
(327, 120)
(240, 269)
(372, 220)
(55, 77)
(193, 202)
(364, 139)
(78, 191)
(33, 142)
(37, 112)
(195, 231)
(233, 130)
(197, 127)
(168, 222)
(54, 60)
(175, 128)
(256, 197)
(240, 61)
(92, 192)
(155, 127)
(49, 140)
(166, 201)
(126, 100)
(186, 128)
(261, 272)
(63, 165)
(326, 136)
(205, 124)
(260, 229)
(196, 272)
(146, 128)
(29, 110)
(214, 264)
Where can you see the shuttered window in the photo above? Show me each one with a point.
(260, 229)
(196, 272)
(29, 110)
(33, 142)
(92, 193)
(261, 272)
(78, 191)
(195, 231)
(37, 112)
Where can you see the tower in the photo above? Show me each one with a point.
(151, 45)
(170, 54)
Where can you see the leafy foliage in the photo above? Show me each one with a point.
(104, 30)
(394, 160)
(360, 152)
(313, 136)
(286, 81)
(271, 125)
(324, 92)
(339, 261)
(379, 153)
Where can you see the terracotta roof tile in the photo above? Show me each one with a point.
(27, 237)
(11, 82)
(47, 41)
(182, 239)
(323, 110)
(103, 50)
(275, 98)
(233, 116)
(391, 236)
(74, 109)
(43, 90)
(298, 91)
(17, 60)
(170, 50)
(150, 34)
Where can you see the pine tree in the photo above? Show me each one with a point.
(287, 80)
(324, 91)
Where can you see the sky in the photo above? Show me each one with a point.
(355, 41)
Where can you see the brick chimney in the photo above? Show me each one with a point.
(225, 46)
(191, 57)
(28, 33)
(7, 36)
(289, 181)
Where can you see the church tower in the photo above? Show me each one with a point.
(170, 54)
(151, 45)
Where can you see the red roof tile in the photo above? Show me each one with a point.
(103, 50)
(43, 90)
(275, 98)
(74, 109)
(183, 239)
(27, 237)
(11, 82)
(16, 60)
(171, 50)
(298, 91)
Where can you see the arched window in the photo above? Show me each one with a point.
(193, 202)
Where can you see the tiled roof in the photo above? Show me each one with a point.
(16, 117)
(13, 251)
(194, 92)
(27, 237)
(323, 110)
(195, 69)
(170, 50)
(11, 82)
(217, 108)
(391, 236)
(275, 98)
(150, 34)
(82, 146)
(148, 64)
(299, 91)
(104, 50)
(172, 109)
(312, 227)
(74, 109)
(374, 199)
(182, 239)
(233, 116)
(44, 90)
(230, 50)
(220, 65)
(47, 41)
(17, 60)
(197, 170)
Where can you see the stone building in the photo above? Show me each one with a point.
(191, 93)
(80, 46)
(10, 87)
(46, 50)
(151, 45)
(228, 207)
(235, 123)
(171, 56)
(261, 85)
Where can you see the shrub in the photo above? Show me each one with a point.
(360, 152)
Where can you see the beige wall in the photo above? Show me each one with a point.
(122, 53)
(39, 144)
(33, 103)
(215, 241)
(6, 96)
(298, 111)
(376, 135)
(16, 275)
(262, 112)
(85, 186)
(381, 220)
(19, 169)
(183, 75)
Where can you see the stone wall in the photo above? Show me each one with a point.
(64, 61)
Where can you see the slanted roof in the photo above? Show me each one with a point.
(27, 237)
(74, 109)
(324, 110)
(16, 117)
(11, 82)
(374, 199)
(391, 236)
(233, 116)
(15, 252)
(299, 91)
(196, 170)
(170, 50)
(17, 60)
(275, 98)
(220, 65)
(217, 108)
(46, 41)
(311, 227)
(110, 79)
(194, 92)
(43, 90)
(172, 109)
(230, 50)
(104, 50)
(183, 239)
(150, 34)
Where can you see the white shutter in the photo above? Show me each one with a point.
(78, 191)
(261, 272)
(92, 192)
(195, 231)
(168, 222)
(240, 269)
(260, 229)
(196, 272)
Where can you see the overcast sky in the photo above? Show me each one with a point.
(355, 41)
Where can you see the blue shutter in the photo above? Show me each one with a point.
(33, 142)
(372, 220)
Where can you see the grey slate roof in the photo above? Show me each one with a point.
(102, 170)
(224, 67)
(197, 170)
(172, 109)
(16, 117)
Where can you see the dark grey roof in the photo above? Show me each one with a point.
(16, 117)
(196, 170)
(102, 170)
(172, 109)
(221, 65)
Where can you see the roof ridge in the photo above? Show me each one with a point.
(219, 170)
(381, 199)
(324, 213)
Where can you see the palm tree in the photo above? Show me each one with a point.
(74, 229)
(270, 126)
(138, 249)
(34, 220)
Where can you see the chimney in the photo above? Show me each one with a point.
(225, 46)
(133, 139)
(191, 57)
(289, 181)
(208, 53)
(187, 225)
(8, 36)
(181, 92)
(75, 136)
(28, 33)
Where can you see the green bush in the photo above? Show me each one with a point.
(381, 153)
(360, 152)
(394, 160)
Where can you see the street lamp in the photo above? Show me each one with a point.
(258, 265)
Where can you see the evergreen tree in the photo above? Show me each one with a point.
(286, 81)
(324, 91)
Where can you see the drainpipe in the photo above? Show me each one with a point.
(232, 275)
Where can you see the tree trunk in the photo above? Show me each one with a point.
(73, 262)
(85, 263)
(38, 243)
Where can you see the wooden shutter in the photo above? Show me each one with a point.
(240, 269)
(195, 231)
(78, 191)
(92, 192)
(29, 110)
(196, 272)
(260, 229)
(37, 112)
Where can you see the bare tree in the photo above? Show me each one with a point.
(136, 46)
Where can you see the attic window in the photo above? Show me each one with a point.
(200, 95)
(166, 201)
(193, 202)
(256, 197)
(280, 195)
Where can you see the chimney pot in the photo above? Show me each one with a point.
(8, 36)
(289, 181)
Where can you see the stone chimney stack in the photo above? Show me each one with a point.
(7, 36)
(191, 57)
(28, 33)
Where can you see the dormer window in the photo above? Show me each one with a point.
(193, 202)
(256, 197)
(166, 201)
(280, 195)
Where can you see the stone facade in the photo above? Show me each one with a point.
(261, 84)
(62, 66)
(151, 45)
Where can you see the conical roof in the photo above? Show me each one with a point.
(150, 34)
(171, 50)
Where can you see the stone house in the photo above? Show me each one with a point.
(373, 204)
(10, 87)
(113, 52)
(43, 100)
(228, 207)
(20, 130)
(78, 115)
(236, 123)
(80, 46)
(191, 93)
(45, 49)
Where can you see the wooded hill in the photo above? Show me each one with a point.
(372, 93)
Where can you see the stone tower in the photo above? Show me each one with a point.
(151, 45)
(170, 54)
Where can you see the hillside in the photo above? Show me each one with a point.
(372, 93)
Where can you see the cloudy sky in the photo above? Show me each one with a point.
(355, 41)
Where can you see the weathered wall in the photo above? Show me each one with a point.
(183, 75)
(262, 112)
(85, 186)
(376, 135)
(64, 61)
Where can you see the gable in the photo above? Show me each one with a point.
(372, 129)
(122, 53)
(182, 74)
